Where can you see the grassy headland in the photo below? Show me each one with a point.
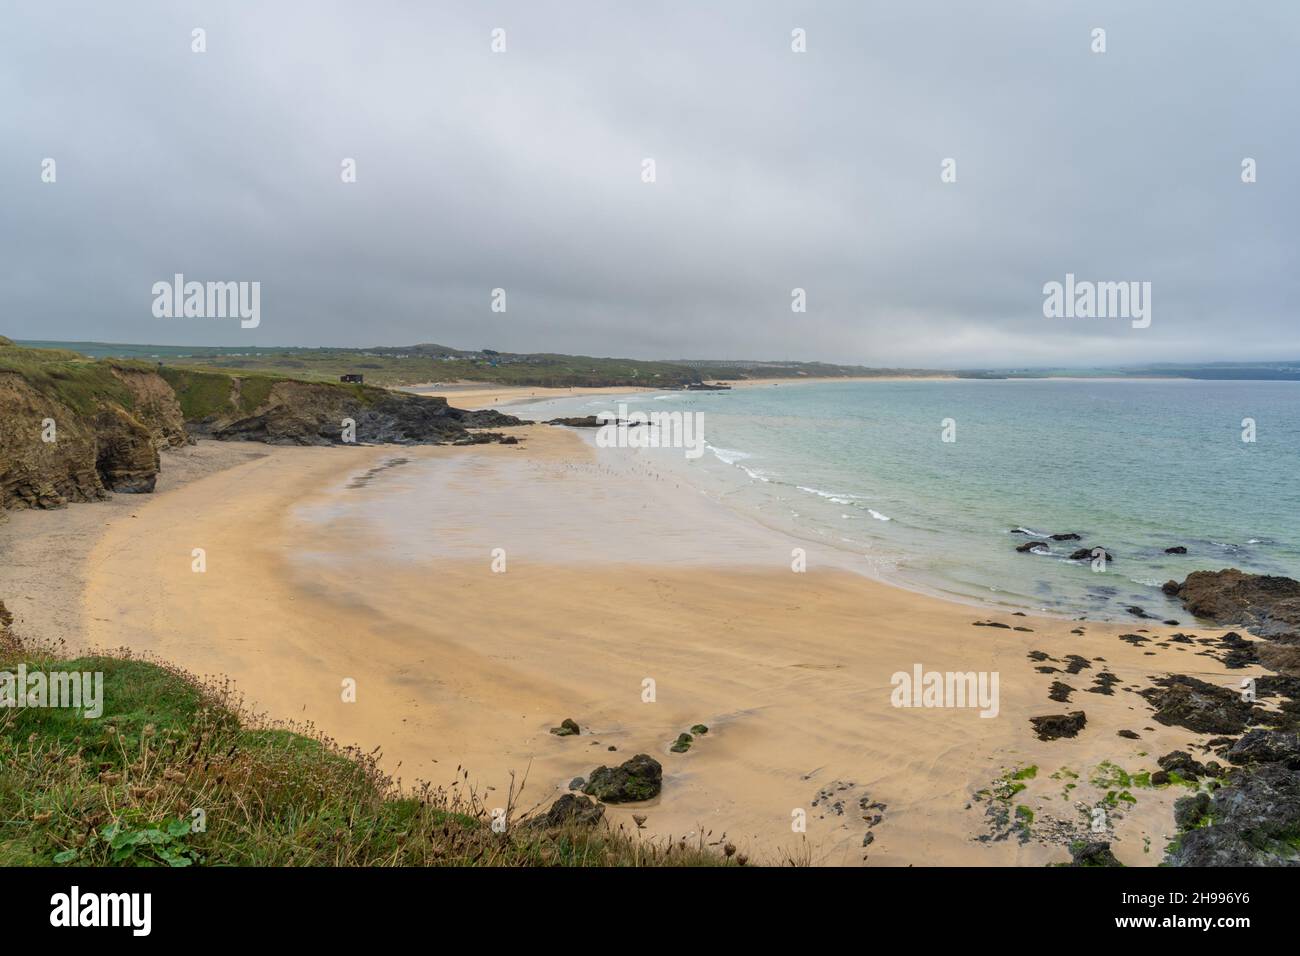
(419, 364)
(175, 773)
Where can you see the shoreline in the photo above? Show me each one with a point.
(457, 665)
(477, 395)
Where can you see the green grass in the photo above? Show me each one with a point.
(122, 790)
(68, 377)
(419, 364)
(200, 394)
(204, 393)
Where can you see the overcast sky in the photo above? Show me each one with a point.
(522, 170)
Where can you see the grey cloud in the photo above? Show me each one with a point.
(776, 170)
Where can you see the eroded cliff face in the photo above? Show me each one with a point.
(155, 405)
(74, 430)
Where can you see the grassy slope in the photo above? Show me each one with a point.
(121, 790)
(68, 377)
(419, 364)
(204, 392)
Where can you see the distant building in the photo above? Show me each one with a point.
(358, 379)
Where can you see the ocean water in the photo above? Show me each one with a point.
(860, 470)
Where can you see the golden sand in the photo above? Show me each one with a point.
(457, 665)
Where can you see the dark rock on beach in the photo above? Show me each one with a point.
(1177, 549)
(1182, 701)
(1190, 811)
(1095, 853)
(1267, 746)
(1055, 726)
(640, 778)
(584, 421)
(1255, 819)
(572, 809)
(1268, 605)
(1068, 536)
(1181, 763)
(568, 728)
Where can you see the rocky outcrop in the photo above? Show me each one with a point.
(1252, 821)
(584, 421)
(292, 412)
(75, 429)
(640, 778)
(1182, 701)
(1267, 746)
(1096, 853)
(154, 404)
(126, 458)
(1055, 726)
(593, 421)
(568, 728)
(72, 429)
(1266, 604)
(571, 810)
(1086, 554)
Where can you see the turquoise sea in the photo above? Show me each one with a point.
(1134, 466)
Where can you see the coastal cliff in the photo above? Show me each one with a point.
(1253, 817)
(74, 429)
(285, 411)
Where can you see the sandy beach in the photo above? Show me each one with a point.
(615, 576)
(475, 395)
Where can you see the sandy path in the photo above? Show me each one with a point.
(457, 665)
